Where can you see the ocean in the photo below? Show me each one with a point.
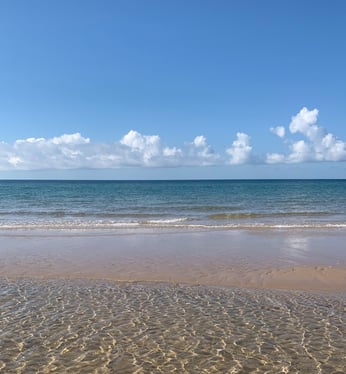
(151, 276)
(194, 204)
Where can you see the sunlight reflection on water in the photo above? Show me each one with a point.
(96, 326)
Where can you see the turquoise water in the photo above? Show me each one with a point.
(177, 204)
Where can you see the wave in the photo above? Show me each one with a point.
(211, 208)
(230, 216)
(165, 221)
(178, 224)
(81, 214)
(152, 218)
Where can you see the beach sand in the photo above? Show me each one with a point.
(62, 311)
(282, 259)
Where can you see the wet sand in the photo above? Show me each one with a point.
(62, 311)
(276, 259)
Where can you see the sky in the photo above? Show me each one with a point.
(179, 89)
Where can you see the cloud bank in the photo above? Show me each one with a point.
(74, 151)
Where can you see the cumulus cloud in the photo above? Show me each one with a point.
(33, 153)
(144, 148)
(301, 151)
(70, 151)
(147, 150)
(200, 152)
(74, 151)
(304, 122)
(279, 131)
(318, 145)
(241, 150)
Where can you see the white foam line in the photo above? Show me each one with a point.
(163, 224)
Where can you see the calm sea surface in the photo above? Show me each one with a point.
(176, 204)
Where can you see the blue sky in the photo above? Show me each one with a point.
(172, 89)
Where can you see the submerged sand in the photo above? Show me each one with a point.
(282, 259)
(86, 326)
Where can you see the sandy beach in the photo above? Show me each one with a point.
(285, 259)
(166, 300)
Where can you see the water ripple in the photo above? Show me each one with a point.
(101, 327)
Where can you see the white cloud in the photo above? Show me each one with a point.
(144, 148)
(334, 149)
(14, 160)
(67, 139)
(73, 151)
(76, 138)
(199, 152)
(172, 152)
(304, 121)
(274, 158)
(200, 141)
(147, 150)
(279, 131)
(137, 141)
(241, 150)
(301, 152)
(318, 145)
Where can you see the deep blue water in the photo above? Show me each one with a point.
(192, 204)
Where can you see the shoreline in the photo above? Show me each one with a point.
(280, 280)
(304, 260)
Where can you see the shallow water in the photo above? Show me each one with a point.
(81, 326)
